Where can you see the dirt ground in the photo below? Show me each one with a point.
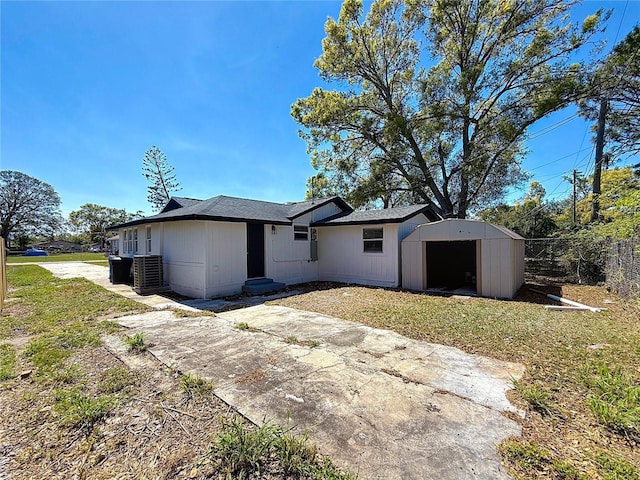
(161, 432)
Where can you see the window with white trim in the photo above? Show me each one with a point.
(130, 242)
(148, 239)
(301, 232)
(372, 240)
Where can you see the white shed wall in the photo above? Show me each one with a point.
(226, 258)
(413, 265)
(341, 257)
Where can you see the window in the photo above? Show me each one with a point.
(301, 232)
(148, 239)
(372, 240)
(130, 242)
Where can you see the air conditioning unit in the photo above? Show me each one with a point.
(147, 274)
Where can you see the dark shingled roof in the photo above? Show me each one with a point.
(231, 209)
(179, 202)
(296, 209)
(388, 215)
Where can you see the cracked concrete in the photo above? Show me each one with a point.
(380, 404)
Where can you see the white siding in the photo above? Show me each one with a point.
(156, 239)
(226, 258)
(325, 211)
(518, 264)
(288, 260)
(410, 225)
(183, 257)
(497, 268)
(341, 257)
(404, 230)
(413, 265)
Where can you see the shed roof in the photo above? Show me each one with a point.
(452, 229)
(388, 215)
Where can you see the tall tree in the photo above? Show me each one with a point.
(617, 81)
(92, 220)
(441, 92)
(530, 217)
(157, 170)
(28, 206)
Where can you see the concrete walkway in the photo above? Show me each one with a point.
(380, 404)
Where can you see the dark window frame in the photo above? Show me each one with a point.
(373, 240)
(301, 233)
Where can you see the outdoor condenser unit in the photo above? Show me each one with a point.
(147, 274)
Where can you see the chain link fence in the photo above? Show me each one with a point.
(623, 268)
(542, 256)
(586, 259)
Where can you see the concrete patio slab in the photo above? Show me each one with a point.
(380, 404)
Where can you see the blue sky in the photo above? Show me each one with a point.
(87, 87)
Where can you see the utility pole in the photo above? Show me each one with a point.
(575, 176)
(595, 204)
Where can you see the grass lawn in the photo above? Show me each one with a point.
(59, 257)
(581, 389)
(73, 409)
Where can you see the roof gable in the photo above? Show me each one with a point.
(298, 209)
(179, 202)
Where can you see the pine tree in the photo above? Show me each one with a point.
(157, 170)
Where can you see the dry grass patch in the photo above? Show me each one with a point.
(78, 411)
(572, 419)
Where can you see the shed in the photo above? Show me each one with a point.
(463, 255)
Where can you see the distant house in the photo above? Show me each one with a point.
(213, 247)
(59, 246)
(113, 244)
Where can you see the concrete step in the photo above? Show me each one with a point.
(259, 281)
(262, 287)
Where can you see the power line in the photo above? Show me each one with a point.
(552, 127)
(620, 24)
(557, 159)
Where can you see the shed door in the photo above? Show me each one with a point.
(255, 250)
(451, 265)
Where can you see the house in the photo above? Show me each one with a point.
(474, 256)
(212, 248)
(113, 243)
(59, 246)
